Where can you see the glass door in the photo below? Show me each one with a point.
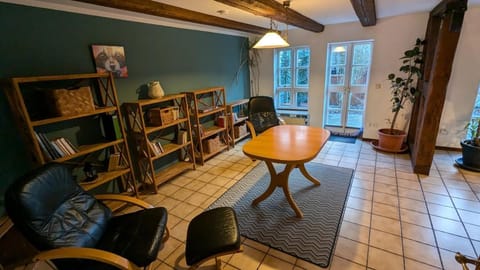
(348, 67)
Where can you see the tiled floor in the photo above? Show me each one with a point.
(394, 219)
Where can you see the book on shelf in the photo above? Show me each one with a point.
(155, 147)
(71, 148)
(49, 146)
(157, 143)
(182, 137)
(59, 148)
(111, 126)
(113, 161)
(43, 147)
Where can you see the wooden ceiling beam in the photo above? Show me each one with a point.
(168, 11)
(365, 10)
(275, 10)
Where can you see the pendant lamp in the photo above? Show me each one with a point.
(271, 40)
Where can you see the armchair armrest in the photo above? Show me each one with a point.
(123, 198)
(251, 129)
(86, 253)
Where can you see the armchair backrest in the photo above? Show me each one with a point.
(261, 113)
(52, 210)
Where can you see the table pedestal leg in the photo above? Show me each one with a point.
(307, 175)
(280, 180)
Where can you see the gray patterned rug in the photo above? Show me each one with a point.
(273, 222)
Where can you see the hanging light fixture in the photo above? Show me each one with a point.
(272, 39)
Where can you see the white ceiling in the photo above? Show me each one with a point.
(323, 11)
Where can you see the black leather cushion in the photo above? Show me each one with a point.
(136, 236)
(261, 112)
(52, 210)
(212, 232)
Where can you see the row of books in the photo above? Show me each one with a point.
(155, 147)
(57, 148)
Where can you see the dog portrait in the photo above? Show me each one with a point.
(110, 59)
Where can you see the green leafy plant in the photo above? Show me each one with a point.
(403, 87)
(473, 131)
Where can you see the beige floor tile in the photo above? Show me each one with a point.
(388, 180)
(380, 259)
(197, 199)
(454, 243)
(385, 210)
(179, 231)
(168, 248)
(435, 189)
(418, 233)
(256, 245)
(361, 193)
(448, 226)
(414, 217)
(342, 264)
(473, 206)
(409, 184)
(182, 210)
(169, 203)
(385, 172)
(448, 260)
(168, 189)
(351, 250)
(250, 258)
(410, 193)
(355, 232)
(359, 204)
(357, 216)
(411, 204)
(385, 198)
(474, 232)
(443, 211)
(206, 177)
(469, 217)
(274, 263)
(421, 252)
(282, 255)
(182, 194)
(209, 189)
(414, 265)
(438, 199)
(386, 188)
(386, 241)
(304, 265)
(386, 224)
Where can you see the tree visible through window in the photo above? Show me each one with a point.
(292, 77)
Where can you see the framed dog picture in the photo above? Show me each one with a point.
(110, 59)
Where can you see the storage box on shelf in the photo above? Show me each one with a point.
(160, 128)
(239, 115)
(206, 107)
(46, 131)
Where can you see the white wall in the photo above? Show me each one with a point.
(392, 36)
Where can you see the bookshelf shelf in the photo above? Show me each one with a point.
(45, 131)
(237, 127)
(156, 167)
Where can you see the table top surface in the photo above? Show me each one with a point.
(287, 144)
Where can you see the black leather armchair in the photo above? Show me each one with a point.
(261, 114)
(75, 230)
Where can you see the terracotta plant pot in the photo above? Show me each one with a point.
(470, 154)
(391, 140)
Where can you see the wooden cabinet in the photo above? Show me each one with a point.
(161, 135)
(76, 108)
(209, 121)
(238, 110)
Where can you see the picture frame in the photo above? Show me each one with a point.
(110, 58)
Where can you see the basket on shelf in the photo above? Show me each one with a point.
(163, 116)
(212, 145)
(72, 102)
(240, 130)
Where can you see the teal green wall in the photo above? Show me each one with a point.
(46, 42)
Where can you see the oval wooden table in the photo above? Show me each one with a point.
(291, 145)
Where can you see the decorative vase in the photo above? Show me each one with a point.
(155, 90)
(391, 140)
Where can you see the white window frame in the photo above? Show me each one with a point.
(294, 89)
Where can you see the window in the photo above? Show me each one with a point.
(292, 77)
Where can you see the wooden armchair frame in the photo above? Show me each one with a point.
(97, 254)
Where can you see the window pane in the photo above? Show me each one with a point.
(357, 101)
(302, 99)
(476, 109)
(285, 57)
(285, 78)
(337, 75)
(361, 54)
(303, 57)
(284, 98)
(355, 119)
(335, 100)
(359, 75)
(302, 77)
(338, 58)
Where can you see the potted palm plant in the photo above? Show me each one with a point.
(471, 147)
(403, 89)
